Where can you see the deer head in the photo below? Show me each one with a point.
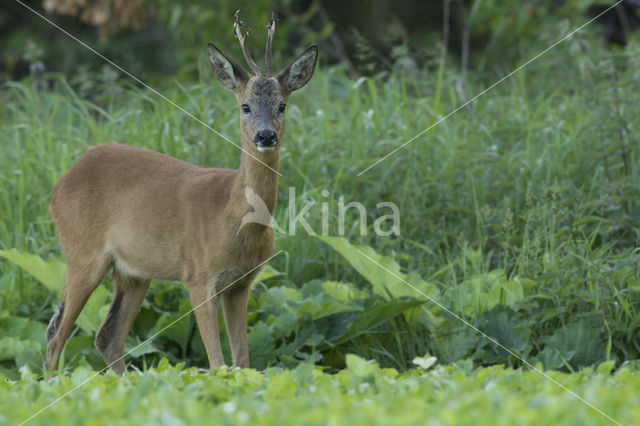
(262, 97)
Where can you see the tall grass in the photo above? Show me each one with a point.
(539, 178)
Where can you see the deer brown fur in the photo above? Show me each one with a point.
(144, 215)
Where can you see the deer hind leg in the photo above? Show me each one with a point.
(235, 301)
(80, 282)
(206, 309)
(127, 299)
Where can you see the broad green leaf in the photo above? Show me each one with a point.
(606, 367)
(285, 324)
(377, 276)
(485, 291)
(23, 328)
(79, 344)
(95, 311)
(499, 323)
(307, 336)
(268, 272)
(12, 347)
(135, 349)
(278, 296)
(31, 339)
(360, 366)
(262, 346)
(49, 273)
(81, 348)
(382, 272)
(318, 307)
(33, 358)
(458, 346)
(579, 343)
(373, 316)
(342, 291)
(174, 328)
(551, 358)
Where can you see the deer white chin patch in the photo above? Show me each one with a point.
(265, 148)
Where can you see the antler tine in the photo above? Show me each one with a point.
(237, 30)
(271, 28)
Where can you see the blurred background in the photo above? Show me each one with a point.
(519, 213)
(154, 39)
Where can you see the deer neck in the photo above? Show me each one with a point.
(257, 172)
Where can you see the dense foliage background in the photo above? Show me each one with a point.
(519, 214)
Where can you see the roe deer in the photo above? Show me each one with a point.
(146, 216)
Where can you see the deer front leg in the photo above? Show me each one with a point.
(206, 309)
(235, 302)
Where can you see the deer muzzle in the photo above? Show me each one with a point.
(266, 140)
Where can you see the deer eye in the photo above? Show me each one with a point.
(246, 109)
(281, 108)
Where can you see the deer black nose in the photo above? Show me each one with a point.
(266, 139)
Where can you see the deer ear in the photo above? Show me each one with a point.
(299, 71)
(229, 73)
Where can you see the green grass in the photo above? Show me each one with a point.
(520, 214)
(363, 393)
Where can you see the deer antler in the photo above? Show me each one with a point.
(236, 29)
(271, 27)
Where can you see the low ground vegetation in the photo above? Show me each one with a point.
(519, 215)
